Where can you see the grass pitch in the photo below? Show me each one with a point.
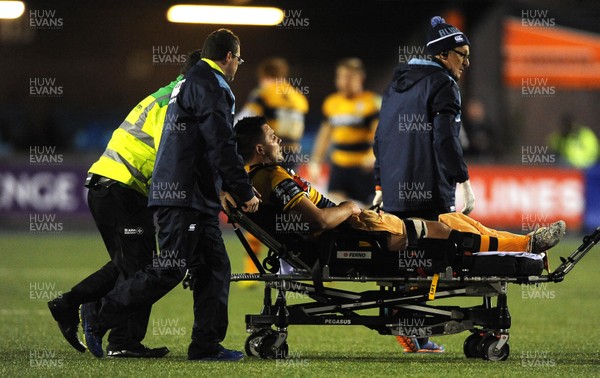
(554, 330)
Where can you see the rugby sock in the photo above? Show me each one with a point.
(484, 243)
(517, 243)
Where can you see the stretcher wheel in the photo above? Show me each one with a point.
(252, 345)
(267, 352)
(490, 352)
(471, 346)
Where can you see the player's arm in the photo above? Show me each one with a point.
(319, 150)
(322, 142)
(326, 218)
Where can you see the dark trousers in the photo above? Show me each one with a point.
(127, 229)
(191, 240)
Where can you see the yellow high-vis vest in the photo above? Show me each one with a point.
(130, 154)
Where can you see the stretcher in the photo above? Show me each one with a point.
(408, 283)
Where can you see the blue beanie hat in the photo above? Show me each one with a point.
(443, 37)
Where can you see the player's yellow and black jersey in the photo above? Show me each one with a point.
(280, 191)
(284, 107)
(353, 121)
(282, 188)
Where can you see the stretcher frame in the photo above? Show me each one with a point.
(405, 304)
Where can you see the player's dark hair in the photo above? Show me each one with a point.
(353, 64)
(192, 58)
(219, 43)
(274, 68)
(249, 133)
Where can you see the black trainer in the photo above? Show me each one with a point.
(141, 352)
(91, 333)
(68, 322)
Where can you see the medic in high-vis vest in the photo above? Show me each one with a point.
(118, 200)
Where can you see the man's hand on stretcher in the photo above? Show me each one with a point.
(249, 206)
